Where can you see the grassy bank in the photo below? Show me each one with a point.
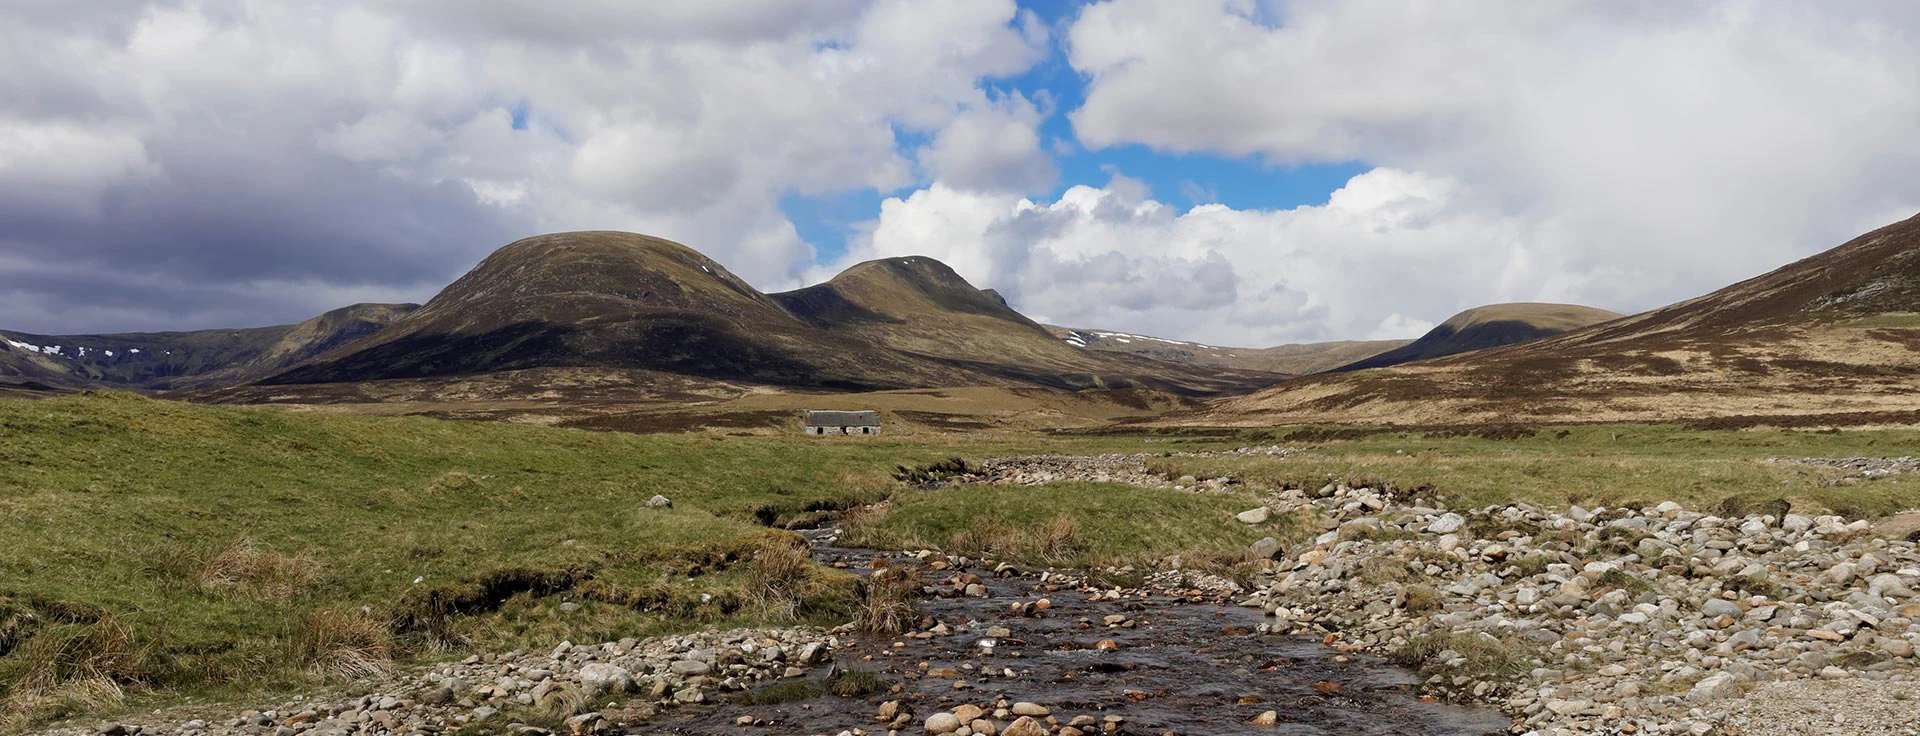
(1591, 465)
(1071, 524)
(177, 549)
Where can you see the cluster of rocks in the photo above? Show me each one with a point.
(1001, 719)
(1577, 621)
(1133, 469)
(596, 687)
(1857, 467)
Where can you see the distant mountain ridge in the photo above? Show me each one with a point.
(1830, 340)
(1490, 326)
(177, 360)
(1296, 359)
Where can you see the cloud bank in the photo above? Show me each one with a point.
(1618, 155)
(194, 163)
(222, 162)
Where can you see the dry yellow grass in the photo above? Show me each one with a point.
(1800, 372)
(245, 568)
(342, 642)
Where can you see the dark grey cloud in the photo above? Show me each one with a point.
(184, 165)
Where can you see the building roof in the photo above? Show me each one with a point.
(843, 418)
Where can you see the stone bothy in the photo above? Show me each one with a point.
(843, 422)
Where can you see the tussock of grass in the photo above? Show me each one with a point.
(857, 683)
(784, 582)
(1485, 655)
(1533, 564)
(244, 568)
(1756, 585)
(1624, 581)
(1116, 577)
(784, 691)
(1424, 599)
(1367, 533)
(346, 643)
(1383, 570)
(64, 668)
(887, 601)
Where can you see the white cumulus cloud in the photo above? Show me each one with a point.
(1388, 245)
(1619, 154)
(381, 148)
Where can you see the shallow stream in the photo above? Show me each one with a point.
(1185, 667)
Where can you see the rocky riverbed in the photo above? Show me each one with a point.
(1856, 468)
(1022, 653)
(994, 650)
(492, 693)
(1133, 469)
(1653, 619)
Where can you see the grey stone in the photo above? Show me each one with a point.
(1448, 523)
(600, 678)
(1717, 607)
(1716, 686)
(689, 667)
(1265, 549)
(941, 723)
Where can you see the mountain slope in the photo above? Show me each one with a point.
(621, 302)
(606, 300)
(1485, 327)
(1294, 359)
(1832, 339)
(174, 360)
(920, 306)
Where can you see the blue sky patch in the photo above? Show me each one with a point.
(1183, 180)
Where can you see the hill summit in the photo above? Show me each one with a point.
(1485, 327)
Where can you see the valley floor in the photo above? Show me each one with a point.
(177, 556)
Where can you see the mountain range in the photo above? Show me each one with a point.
(599, 313)
(161, 361)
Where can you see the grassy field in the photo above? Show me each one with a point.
(1590, 465)
(187, 550)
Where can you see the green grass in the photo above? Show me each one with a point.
(857, 683)
(161, 547)
(784, 691)
(1070, 523)
(1889, 319)
(1594, 465)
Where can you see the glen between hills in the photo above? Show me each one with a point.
(1830, 340)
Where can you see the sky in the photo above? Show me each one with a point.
(1238, 172)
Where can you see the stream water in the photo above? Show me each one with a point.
(1184, 667)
